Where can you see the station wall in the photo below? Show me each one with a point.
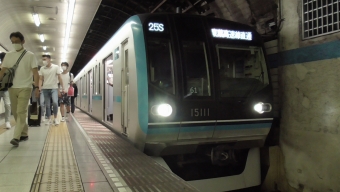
(308, 74)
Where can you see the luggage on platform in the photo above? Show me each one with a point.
(34, 114)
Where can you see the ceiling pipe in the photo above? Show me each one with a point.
(178, 10)
(1, 45)
(158, 6)
(191, 5)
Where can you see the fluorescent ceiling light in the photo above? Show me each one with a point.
(44, 47)
(69, 18)
(36, 19)
(42, 38)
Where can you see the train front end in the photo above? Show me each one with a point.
(209, 94)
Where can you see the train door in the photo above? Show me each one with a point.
(108, 67)
(90, 91)
(125, 87)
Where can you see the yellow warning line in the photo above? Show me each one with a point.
(57, 170)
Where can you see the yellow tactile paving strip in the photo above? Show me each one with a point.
(58, 170)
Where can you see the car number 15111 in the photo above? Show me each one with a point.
(200, 112)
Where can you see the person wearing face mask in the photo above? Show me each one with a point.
(50, 74)
(20, 92)
(67, 78)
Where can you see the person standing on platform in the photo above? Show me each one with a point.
(20, 92)
(67, 78)
(42, 101)
(5, 96)
(73, 97)
(50, 74)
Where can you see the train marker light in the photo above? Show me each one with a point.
(262, 107)
(164, 110)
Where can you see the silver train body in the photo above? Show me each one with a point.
(176, 84)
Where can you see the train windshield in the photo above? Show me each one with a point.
(196, 69)
(161, 68)
(242, 71)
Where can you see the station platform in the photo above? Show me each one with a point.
(80, 155)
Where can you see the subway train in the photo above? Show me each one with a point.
(192, 90)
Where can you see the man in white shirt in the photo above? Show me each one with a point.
(50, 74)
(67, 78)
(21, 90)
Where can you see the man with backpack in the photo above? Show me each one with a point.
(18, 68)
(67, 78)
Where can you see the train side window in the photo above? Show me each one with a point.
(99, 80)
(94, 80)
(85, 85)
(242, 71)
(196, 69)
(109, 70)
(161, 67)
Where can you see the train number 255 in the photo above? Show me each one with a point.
(200, 112)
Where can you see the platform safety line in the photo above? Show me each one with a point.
(111, 174)
(39, 173)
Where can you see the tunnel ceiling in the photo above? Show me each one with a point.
(111, 14)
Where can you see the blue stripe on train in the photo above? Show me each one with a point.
(97, 97)
(164, 130)
(117, 99)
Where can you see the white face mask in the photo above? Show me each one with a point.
(64, 68)
(17, 46)
(45, 63)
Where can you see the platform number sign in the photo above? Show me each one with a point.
(156, 27)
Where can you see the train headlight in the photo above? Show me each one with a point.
(262, 107)
(164, 110)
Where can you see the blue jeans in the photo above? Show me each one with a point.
(42, 104)
(5, 96)
(48, 94)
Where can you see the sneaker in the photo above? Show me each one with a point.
(42, 119)
(56, 121)
(62, 119)
(8, 125)
(23, 138)
(15, 142)
(48, 122)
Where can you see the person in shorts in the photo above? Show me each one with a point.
(65, 100)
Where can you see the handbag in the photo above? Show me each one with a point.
(70, 91)
(7, 80)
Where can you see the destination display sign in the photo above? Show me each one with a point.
(231, 34)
